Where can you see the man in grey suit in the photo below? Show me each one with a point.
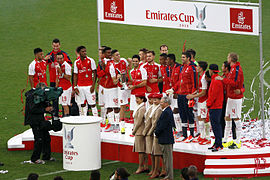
(164, 133)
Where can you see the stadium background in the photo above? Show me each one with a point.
(28, 24)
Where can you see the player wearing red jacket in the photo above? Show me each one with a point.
(235, 84)
(84, 79)
(105, 54)
(214, 104)
(37, 69)
(201, 94)
(173, 71)
(63, 72)
(164, 85)
(187, 84)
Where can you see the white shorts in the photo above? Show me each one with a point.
(202, 110)
(122, 96)
(111, 97)
(84, 94)
(133, 104)
(101, 101)
(173, 102)
(234, 108)
(65, 98)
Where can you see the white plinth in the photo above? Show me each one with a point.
(81, 143)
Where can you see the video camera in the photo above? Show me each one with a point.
(47, 94)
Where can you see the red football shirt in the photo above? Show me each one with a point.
(153, 72)
(84, 68)
(137, 76)
(63, 82)
(38, 70)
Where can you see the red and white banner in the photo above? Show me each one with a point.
(226, 18)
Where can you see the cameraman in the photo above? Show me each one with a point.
(34, 116)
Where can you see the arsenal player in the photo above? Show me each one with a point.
(204, 125)
(104, 53)
(153, 73)
(51, 62)
(138, 81)
(234, 84)
(164, 85)
(214, 104)
(121, 66)
(84, 78)
(37, 68)
(163, 49)
(63, 71)
(143, 56)
(187, 84)
(173, 71)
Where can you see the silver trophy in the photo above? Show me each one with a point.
(200, 14)
(69, 137)
(123, 80)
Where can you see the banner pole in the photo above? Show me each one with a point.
(98, 26)
(261, 68)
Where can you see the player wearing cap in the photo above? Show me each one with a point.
(204, 125)
(84, 79)
(37, 69)
(63, 72)
(214, 104)
(173, 70)
(187, 84)
(235, 84)
(153, 73)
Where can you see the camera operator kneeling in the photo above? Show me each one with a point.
(34, 116)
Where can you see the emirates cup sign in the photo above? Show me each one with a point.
(114, 10)
(241, 20)
(188, 15)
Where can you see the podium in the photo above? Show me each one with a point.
(81, 143)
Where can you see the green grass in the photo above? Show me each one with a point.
(28, 24)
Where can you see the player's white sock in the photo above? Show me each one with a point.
(83, 110)
(238, 129)
(94, 111)
(207, 130)
(228, 128)
(110, 116)
(177, 122)
(103, 113)
(201, 129)
(117, 117)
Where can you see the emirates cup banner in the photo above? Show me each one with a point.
(224, 18)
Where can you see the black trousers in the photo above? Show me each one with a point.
(55, 102)
(222, 121)
(216, 126)
(186, 114)
(42, 143)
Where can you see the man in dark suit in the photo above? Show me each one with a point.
(164, 133)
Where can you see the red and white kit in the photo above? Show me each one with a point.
(38, 70)
(153, 72)
(137, 76)
(84, 68)
(110, 89)
(202, 108)
(65, 98)
(173, 73)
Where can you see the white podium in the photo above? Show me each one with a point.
(81, 143)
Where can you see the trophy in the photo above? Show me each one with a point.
(123, 79)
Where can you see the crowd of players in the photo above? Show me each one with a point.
(197, 94)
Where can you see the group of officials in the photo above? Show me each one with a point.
(192, 93)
